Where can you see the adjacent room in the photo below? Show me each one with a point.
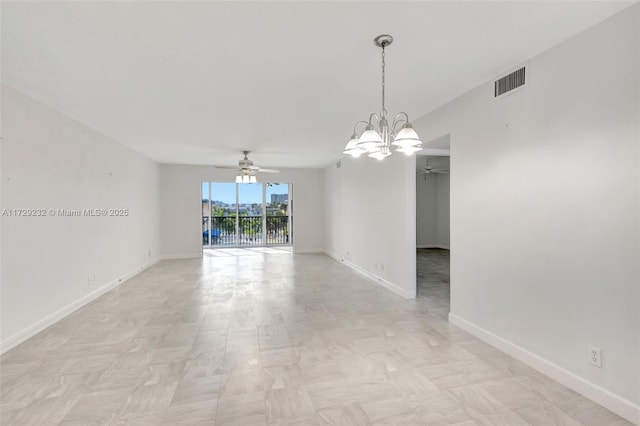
(320, 213)
(432, 231)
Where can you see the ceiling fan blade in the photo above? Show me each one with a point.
(227, 167)
(267, 170)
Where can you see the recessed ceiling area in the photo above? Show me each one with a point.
(197, 82)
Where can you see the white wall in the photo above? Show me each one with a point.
(181, 206)
(443, 211)
(545, 210)
(370, 218)
(50, 161)
(432, 210)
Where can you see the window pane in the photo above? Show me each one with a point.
(277, 195)
(223, 212)
(250, 214)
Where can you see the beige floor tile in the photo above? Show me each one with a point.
(241, 410)
(308, 420)
(201, 389)
(203, 363)
(351, 415)
(512, 394)
(475, 401)
(588, 412)
(278, 357)
(320, 371)
(500, 419)
(99, 407)
(331, 394)
(280, 377)
(43, 411)
(287, 402)
(241, 382)
(264, 336)
(388, 410)
(150, 398)
(436, 408)
(547, 415)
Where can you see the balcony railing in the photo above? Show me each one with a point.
(223, 231)
(278, 230)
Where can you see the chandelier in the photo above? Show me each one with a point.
(377, 140)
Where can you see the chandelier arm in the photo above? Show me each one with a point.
(372, 116)
(398, 115)
(356, 125)
(399, 119)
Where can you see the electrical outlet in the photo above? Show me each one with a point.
(595, 356)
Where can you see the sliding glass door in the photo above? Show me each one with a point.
(219, 213)
(246, 214)
(278, 223)
(250, 206)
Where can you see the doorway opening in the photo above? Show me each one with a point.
(246, 214)
(432, 233)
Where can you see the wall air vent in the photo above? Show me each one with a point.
(509, 82)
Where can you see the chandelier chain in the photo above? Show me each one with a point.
(384, 109)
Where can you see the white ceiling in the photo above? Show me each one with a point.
(197, 82)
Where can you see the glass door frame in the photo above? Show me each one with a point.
(236, 244)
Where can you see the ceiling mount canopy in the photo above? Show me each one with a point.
(383, 40)
(378, 137)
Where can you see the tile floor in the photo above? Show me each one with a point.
(277, 339)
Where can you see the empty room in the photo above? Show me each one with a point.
(320, 213)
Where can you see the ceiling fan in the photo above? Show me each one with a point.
(246, 167)
(428, 169)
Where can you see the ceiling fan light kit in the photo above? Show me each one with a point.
(377, 140)
(246, 179)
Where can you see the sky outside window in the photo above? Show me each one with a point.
(249, 193)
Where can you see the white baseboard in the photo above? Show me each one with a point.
(37, 327)
(615, 403)
(432, 246)
(373, 277)
(377, 279)
(333, 256)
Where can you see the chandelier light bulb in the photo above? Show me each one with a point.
(370, 140)
(409, 150)
(352, 147)
(380, 154)
(407, 137)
